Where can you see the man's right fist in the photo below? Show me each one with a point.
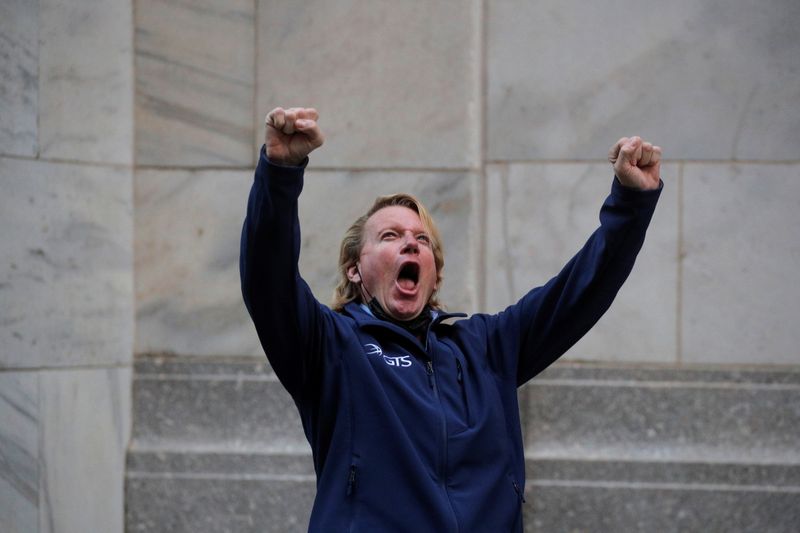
(292, 134)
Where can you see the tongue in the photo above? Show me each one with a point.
(406, 284)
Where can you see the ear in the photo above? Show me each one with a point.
(352, 274)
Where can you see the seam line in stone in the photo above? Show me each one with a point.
(712, 487)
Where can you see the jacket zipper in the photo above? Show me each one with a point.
(432, 379)
(443, 458)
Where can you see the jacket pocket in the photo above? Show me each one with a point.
(351, 481)
(350, 495)
(520, 492)
(463, 386)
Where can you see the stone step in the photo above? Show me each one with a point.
(193, 491)
(604, 495)
(218, 446)
(250, 493)
(190, 404)
(662, 449)
(663, 414)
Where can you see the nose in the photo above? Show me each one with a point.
(410, 244)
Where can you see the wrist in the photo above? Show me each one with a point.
(284, 162)
(280, 161)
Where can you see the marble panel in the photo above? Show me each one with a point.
(19, 452)
(19, 76)
(188, 293)
(195, 82)
(65, 264)
(741, 264)
(397, 84)
(85, 428)
(538, 217)
(187, 279)
(707, 80)
(86, 80)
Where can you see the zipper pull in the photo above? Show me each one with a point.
(429, 368)
(351, 482)
(459, 375)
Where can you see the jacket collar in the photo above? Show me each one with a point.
(363, 317)
(365, 320)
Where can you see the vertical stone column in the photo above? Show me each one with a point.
(66, 263)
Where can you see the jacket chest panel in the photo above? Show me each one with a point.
(421, 388)
(388, 366)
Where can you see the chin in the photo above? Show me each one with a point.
(405, 313)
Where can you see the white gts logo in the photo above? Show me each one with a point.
(401, 361)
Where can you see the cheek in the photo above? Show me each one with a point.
(386, 260)
(430, 264)
(382, 264)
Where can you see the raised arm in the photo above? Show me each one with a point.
(531, 334)
(287, 317)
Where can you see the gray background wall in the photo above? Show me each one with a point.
(129, 130)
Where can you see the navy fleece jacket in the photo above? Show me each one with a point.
(408, 435)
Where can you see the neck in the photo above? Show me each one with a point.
(417, 326)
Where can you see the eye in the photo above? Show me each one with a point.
(424, 238)
(388, 235)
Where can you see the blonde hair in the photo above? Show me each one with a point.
(352, 243)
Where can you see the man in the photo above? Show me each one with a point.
(413, 422)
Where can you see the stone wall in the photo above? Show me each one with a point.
(128, 134)
(499, 114)
(66, 263)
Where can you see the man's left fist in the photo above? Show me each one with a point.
(637, 164)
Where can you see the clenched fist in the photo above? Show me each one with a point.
(637, 164)
(292, 134)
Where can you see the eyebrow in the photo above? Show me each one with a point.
(396, 227)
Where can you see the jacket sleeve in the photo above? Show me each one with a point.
(528, 336)
(288, 319)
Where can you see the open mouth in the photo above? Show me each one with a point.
(408, 277)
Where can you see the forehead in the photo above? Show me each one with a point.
(394, 216)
